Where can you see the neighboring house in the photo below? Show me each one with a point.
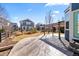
(54, 26)
(14, 26)
(26, 25)
(40, 27)
(5, 24)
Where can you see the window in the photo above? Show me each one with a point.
(67, 20)
(67, 16)
(78, 22)
(67, 25)
(28, 23)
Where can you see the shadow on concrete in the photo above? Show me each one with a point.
(58, 48)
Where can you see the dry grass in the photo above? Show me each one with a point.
(19, 37)
(17, 33)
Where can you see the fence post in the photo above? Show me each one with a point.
(59, 30)
(0, 36)
(44, 30)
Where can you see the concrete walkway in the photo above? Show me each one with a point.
(55, 42)
(34, 47)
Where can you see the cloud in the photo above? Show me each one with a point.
(29, 10)
(56, 12)
(53, 15)
(16, 17)
(51, 4)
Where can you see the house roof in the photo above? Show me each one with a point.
(27, 20)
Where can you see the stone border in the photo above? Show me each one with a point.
(4, 48)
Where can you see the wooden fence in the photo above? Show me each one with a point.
(3, 36)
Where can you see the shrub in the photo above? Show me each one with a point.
(62, 29)
(1, 30)
(18, 33)
(34, 30)
(29, 32)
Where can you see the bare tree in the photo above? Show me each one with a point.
(3, 16)
(3, 12)
(48, 19)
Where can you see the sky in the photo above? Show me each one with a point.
(34, 11)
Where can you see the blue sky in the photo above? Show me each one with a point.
(34, 11)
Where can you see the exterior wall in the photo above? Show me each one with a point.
(14, 26)
(71, 24)
(70, 30)
(67, 25)
(40, 27)
(26, 25)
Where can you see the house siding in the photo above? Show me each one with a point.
(26, 25)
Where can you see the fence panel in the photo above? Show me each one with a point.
(3, 36)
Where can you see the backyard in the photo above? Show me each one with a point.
(13, 39)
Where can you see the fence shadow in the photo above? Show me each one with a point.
(58, 48)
